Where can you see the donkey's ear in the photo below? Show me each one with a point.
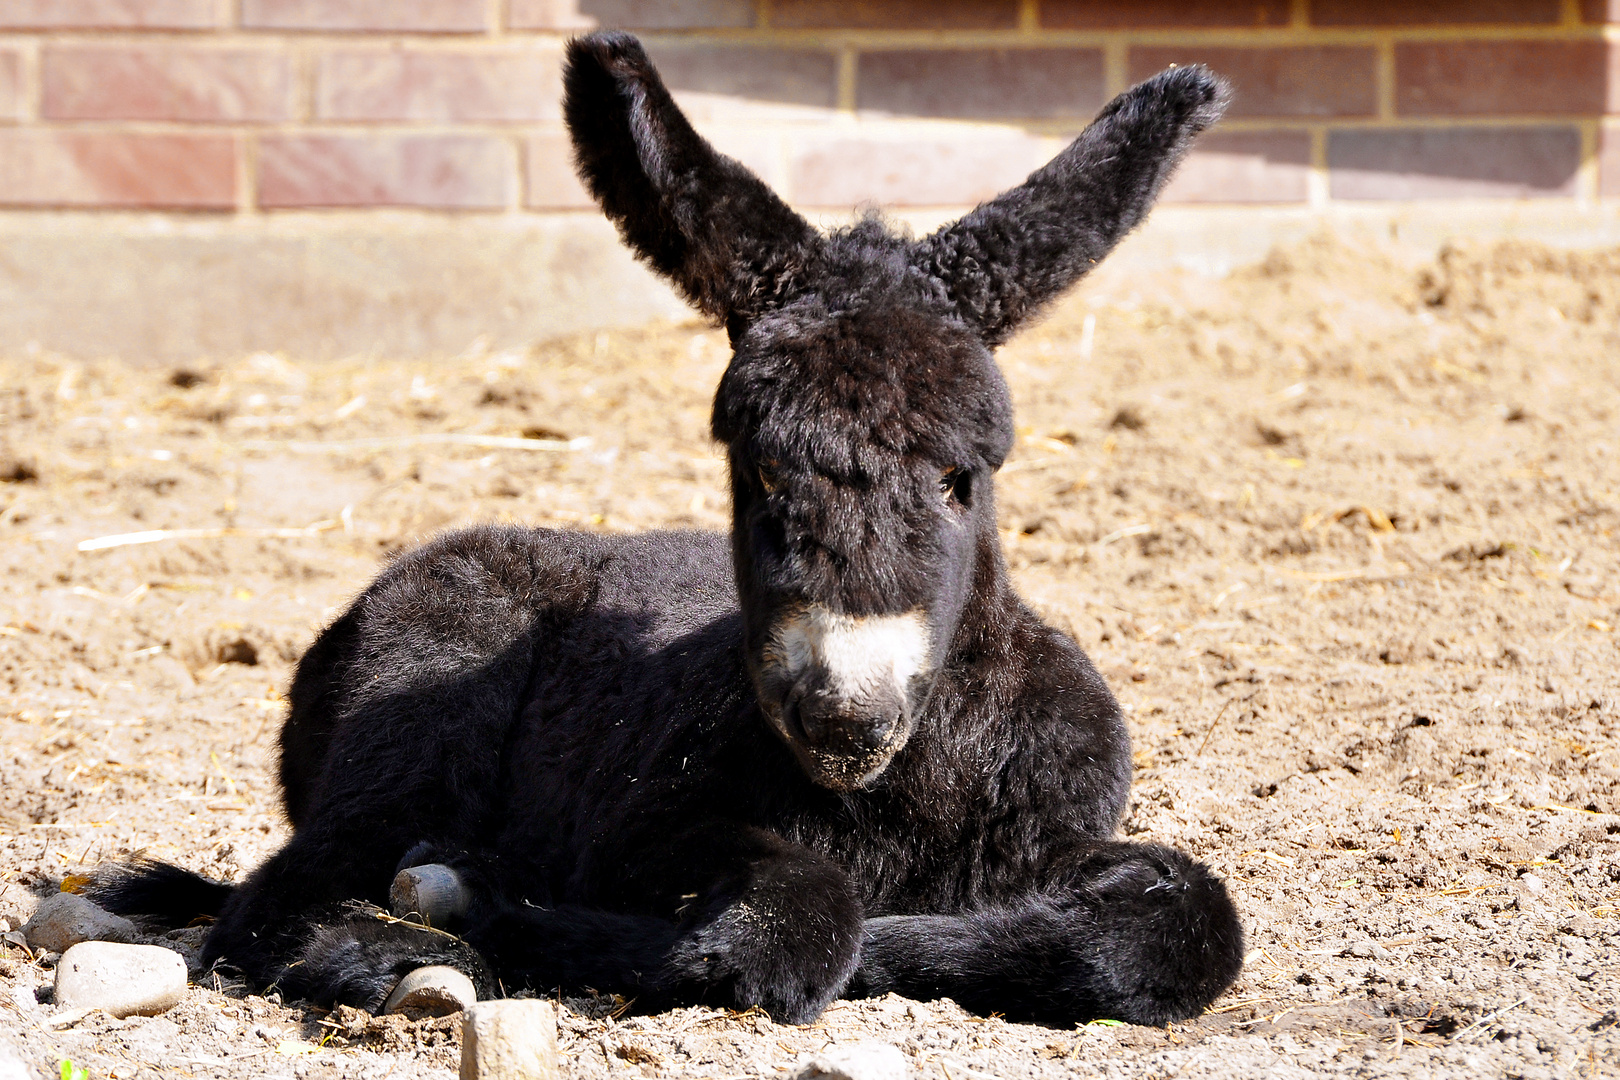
(696, 216)
(1001, 262)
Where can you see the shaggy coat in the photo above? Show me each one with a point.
(830, 754)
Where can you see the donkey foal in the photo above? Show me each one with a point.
(832, 755)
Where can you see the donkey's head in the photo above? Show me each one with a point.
(863, 413)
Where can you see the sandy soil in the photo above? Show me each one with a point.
(1340, 531)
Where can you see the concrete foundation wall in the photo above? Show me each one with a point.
(160, 291)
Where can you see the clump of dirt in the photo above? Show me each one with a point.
(1341, 533)
(395, 1032)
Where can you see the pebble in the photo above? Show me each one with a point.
(432, 891)
(12, 1066)
(509, 1040)
(855, 1061)
(435, 990)
(120, 980)
(65, 919)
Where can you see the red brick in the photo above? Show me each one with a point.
(1302, 80)
(502, 86)
(918, 171)
(1600, 11)
(117, 170)
(1433, 12)
(1446, 163)
(630, 14)
(407, 16)
(760, 73)
(164, 82)
(551, 183)
(894, 14)
(107, 14)
(1244, 167)
(1114, 14)
(1494, 78)
(1609, 162)
(457, 172)
(11, 85)
(982, 83)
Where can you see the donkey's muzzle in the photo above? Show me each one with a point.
(839, 688)
(831, 724)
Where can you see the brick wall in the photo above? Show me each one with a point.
(249, 106)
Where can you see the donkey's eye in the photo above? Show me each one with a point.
(956, 486)
(767, 475)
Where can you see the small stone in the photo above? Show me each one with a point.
(856, 1061)
(435, 990)
(12, 1066)
(509, 1040)
(65, 919)
(432, 892)
(120, 980)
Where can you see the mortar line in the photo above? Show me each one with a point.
(844, 97)
(247, 181)
(1237, 37)
(1587, 186)
(1116, 68)
(1384, 76)
(1318, 186)
(304, 89)
(33, 77)
(516, 145)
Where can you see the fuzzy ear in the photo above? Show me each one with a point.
(1000, 263)
(696, 216)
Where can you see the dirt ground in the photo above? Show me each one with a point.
(1339, 529)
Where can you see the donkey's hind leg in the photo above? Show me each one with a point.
(434, 662)
(1128, 932)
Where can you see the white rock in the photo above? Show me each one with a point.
(509, 1040)
(855, 1061)
(121, 980)
(65, 919)
(437, 990)
(12, 1066)
(432, 891)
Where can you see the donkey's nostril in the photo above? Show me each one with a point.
(834, 726)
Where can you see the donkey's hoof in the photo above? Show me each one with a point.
(435, 990)
(432, 893)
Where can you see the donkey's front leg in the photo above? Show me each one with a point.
(780, 927)
(1126, 932)
(719, 914)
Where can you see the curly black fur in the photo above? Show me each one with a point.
(836, 755)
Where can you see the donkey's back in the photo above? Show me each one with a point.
(543, 612)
